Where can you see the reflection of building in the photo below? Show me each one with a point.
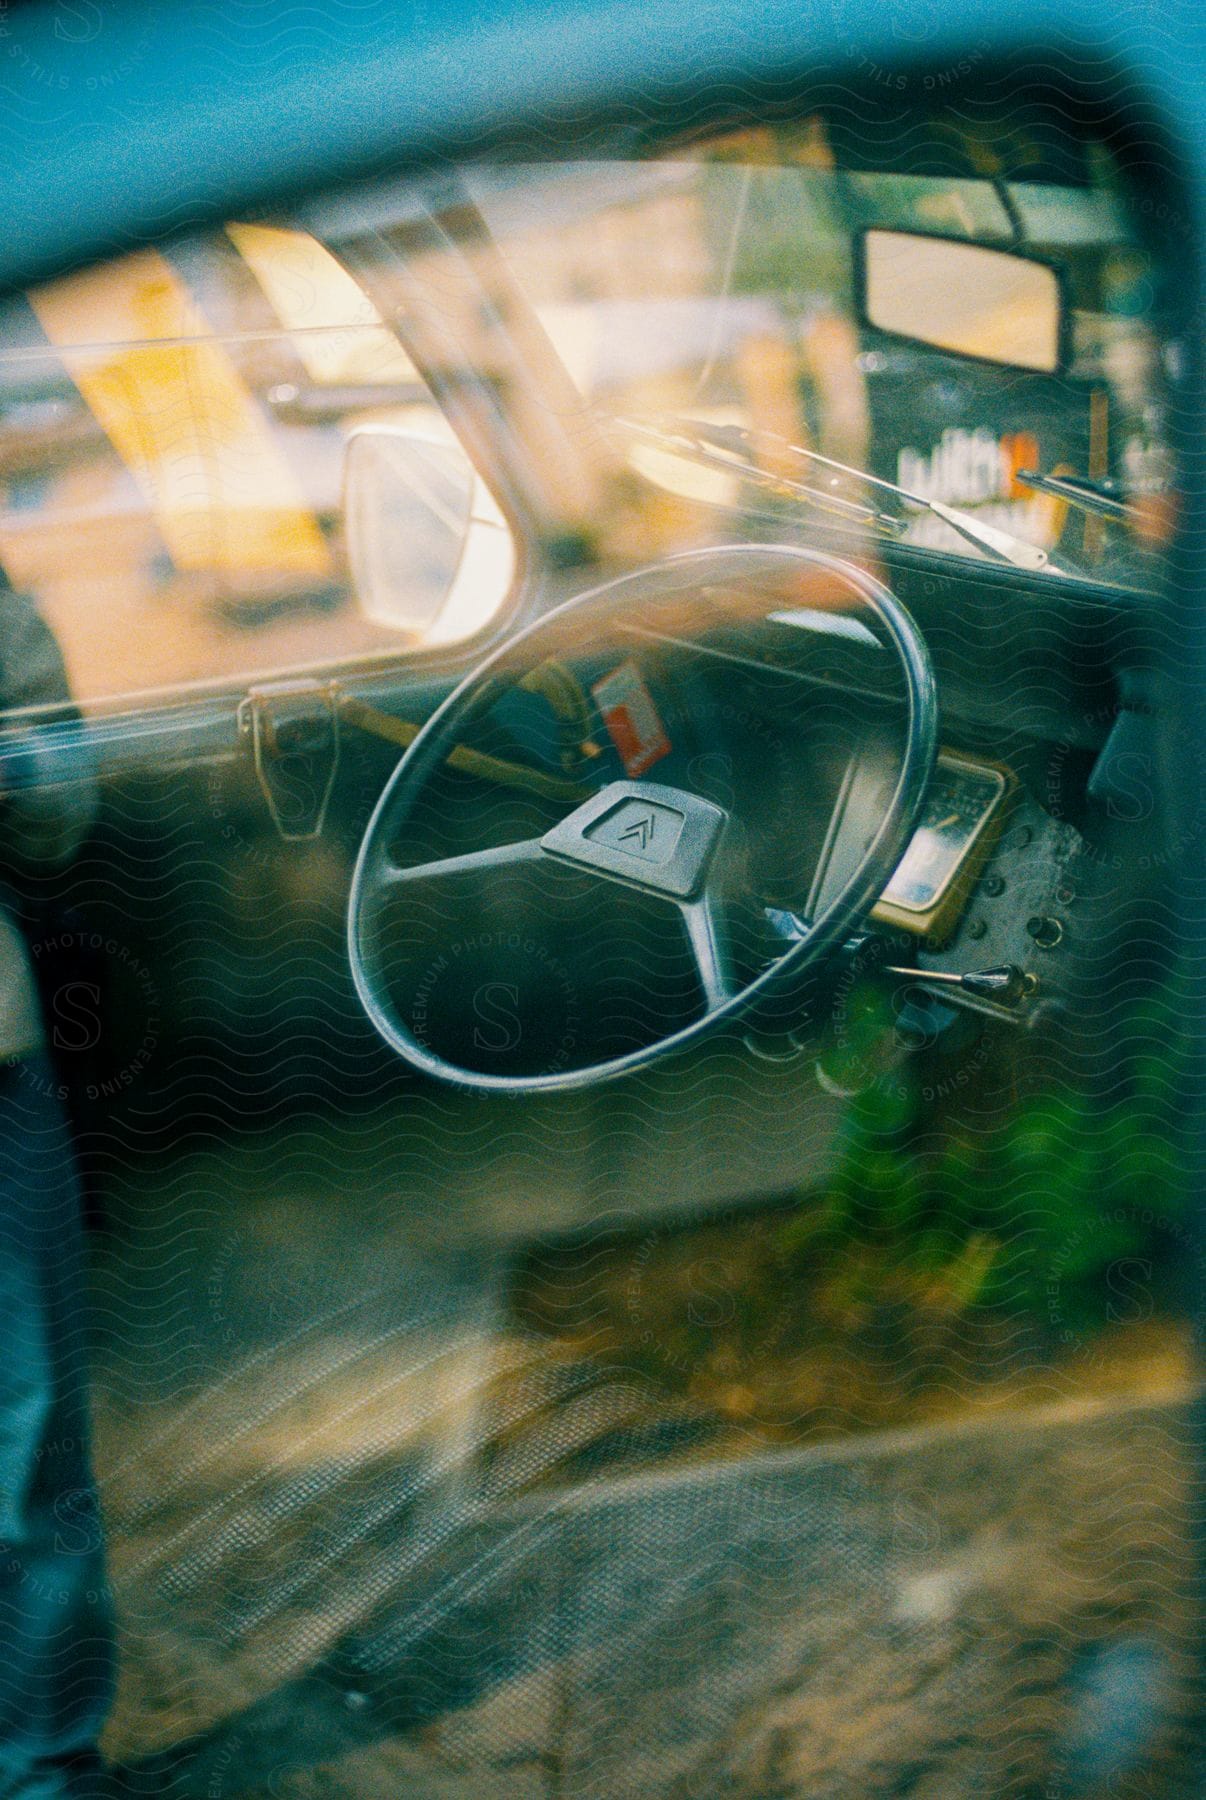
(173, 427)
(181, 488)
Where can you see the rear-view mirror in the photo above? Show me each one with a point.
(970, 299)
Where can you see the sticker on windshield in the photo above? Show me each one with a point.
(631, 718)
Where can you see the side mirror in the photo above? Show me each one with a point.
(993, 305)
(430, 553)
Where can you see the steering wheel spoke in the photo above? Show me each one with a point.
(471, 862)
(708, 937)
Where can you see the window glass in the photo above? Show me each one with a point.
(654, 353)
(725, 294)
(174, 440)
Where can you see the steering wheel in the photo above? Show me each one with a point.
(667, 846)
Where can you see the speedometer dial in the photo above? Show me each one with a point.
(947, 850)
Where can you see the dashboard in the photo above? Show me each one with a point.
(795, 727)
(791, 719)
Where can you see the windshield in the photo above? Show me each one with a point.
(708, 308)
(323, 439)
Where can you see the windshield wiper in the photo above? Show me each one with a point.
(1001, 544)
(690, 437)
(1103, 498)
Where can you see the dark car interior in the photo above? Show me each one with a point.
(636, 1139)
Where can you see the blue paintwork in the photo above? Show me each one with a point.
(117, 121)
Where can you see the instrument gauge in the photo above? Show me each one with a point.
(947, 850)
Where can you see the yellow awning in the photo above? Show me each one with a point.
(171, 401)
